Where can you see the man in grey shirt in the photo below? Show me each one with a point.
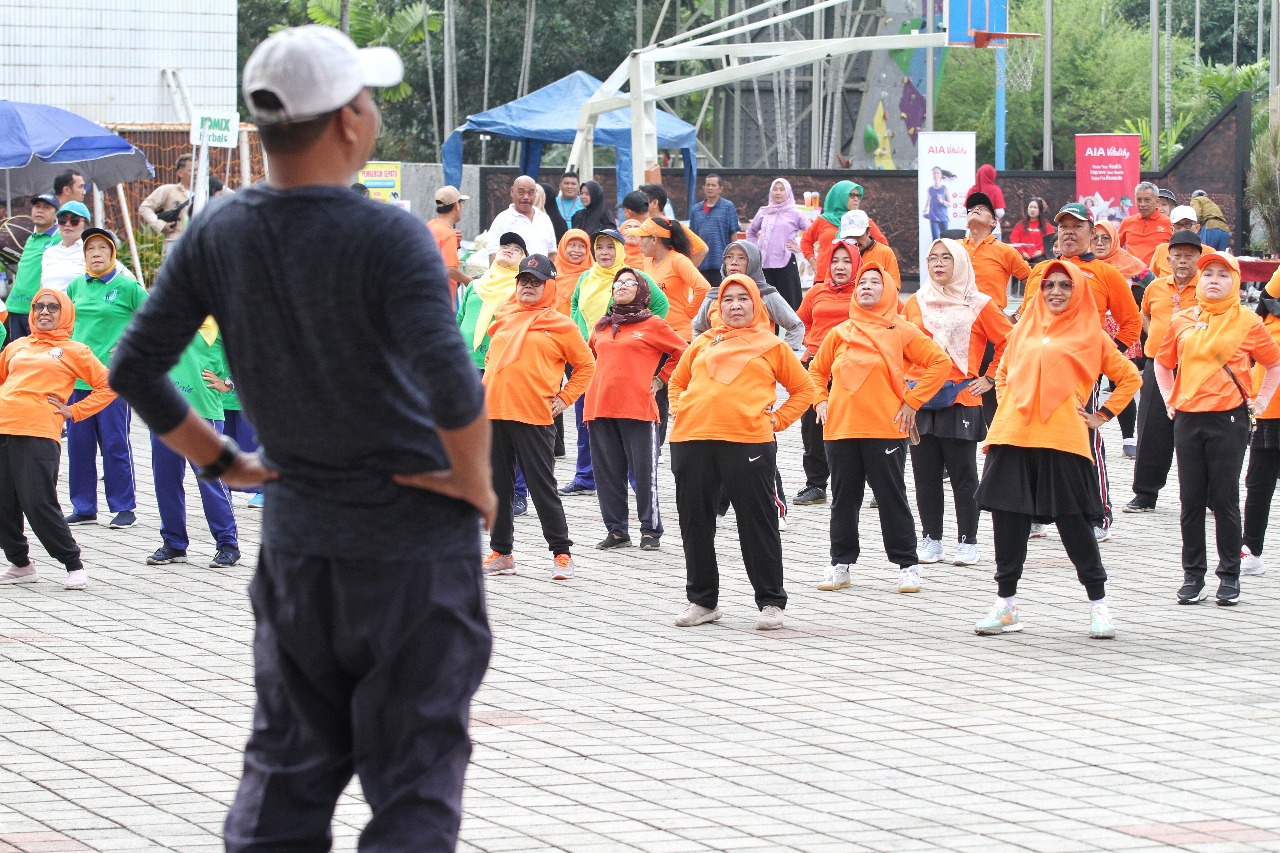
(371, 630)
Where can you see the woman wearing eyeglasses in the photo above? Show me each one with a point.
(63, 262)
(37, 376)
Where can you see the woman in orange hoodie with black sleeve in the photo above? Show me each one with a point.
(1039, 465)
(724, 405)
(37, 375)
(867, 416)
(530, 344)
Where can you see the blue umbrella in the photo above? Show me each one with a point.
(37, 142)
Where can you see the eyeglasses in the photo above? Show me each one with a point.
(627, 283)
(69, 218)
(46, 307)
(1057, 284)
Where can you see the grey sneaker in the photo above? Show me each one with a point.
(929, 551)
(1251, 564)
(1102, 534)
(770, 618)
(966, 554)
(20, 574)
(696, 614)
(499, 564)
(1037, 531)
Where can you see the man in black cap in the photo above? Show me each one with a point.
(26, 281)
(1163, 298)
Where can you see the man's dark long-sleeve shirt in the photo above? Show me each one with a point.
(336, 319)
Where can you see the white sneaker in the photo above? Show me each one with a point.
(909, 579)
(770, 618)
(782, 523)
(966, 554)
(1102, 534)
(929, 550)
(1100, 625)
(1250, 565)
(562, 567)
(836, 577)
(696, 614)
(20, 574)
(79, 579)
(1037, 531)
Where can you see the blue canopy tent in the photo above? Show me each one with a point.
(551, 115)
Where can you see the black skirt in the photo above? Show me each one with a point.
(787, 280)
(1039, 482)
(963, 422)
(1266, 434)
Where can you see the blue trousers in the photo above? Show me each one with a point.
(583, 475)
(108, 430)
(1217, 238)
(169, 470)
(238, 427)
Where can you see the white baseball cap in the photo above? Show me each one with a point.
(314, 70)
(854, 224)
(1183, 211)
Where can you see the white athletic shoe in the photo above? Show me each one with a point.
(966, 554)
(929, 550)
(1102, 534)
(836, 577)
(1037, 531)
(1250, 565)
(909, 579)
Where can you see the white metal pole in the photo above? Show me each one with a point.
(1047, 143)
(928, 72)
(128, 230)
(1197, 32)
(1154, 130)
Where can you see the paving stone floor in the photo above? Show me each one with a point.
(873, 721)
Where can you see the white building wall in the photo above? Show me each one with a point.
(103, 58)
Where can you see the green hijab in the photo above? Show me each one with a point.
(836, 203)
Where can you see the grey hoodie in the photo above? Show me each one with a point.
(779, 311)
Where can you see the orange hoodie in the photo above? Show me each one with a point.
(1111, 292)
(725, 385)
(825, 306)
(1050, 365)
(48, 363)
(862, 362)
(528, 350)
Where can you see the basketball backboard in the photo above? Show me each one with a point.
(965, 17)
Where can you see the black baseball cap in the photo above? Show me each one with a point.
(538, 266)
(1167, 195)
(512, 237)
(99, 232)
(979, 199)
(46, 198)
(1185, 238)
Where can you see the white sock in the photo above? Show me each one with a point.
(1012, 601)
(1102, 601)
(1131, 442)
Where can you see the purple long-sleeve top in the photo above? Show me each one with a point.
(774, 225)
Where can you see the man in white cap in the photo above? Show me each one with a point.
(444, 227)
(1184, 218)
(371, 632)
(856, 225)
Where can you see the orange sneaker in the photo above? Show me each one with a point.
(499, 564)
(563, 569)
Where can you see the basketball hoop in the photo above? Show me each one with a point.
(1021, 51)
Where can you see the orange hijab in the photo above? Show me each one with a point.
(1223, 324)
(569, 272)
(731, 349)
(1050, 355)
(66, 318)
(872, 336)
(514, 322)
(1126, 264)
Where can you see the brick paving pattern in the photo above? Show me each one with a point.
(873, 721)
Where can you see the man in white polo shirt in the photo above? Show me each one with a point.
(526, 220)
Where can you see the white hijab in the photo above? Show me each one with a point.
(949, 310)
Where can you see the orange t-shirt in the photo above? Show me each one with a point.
(1272, 325)
(685, 289)
(522, 390)
(886, 257)
(1065, 430)
(31, 369)
(869, 411)
(704, 409)
(821, 310)
(1141, 235)
(625, 366)
(1111, 292)
(991, 325)
(817, 242)
(994, 263)
(1218, 393)
(447, 239)
(1160, 301)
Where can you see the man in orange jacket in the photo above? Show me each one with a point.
(1142, 232)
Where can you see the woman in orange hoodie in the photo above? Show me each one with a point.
(951, 309)
(1039, 467)
(824, 307)
(37, 375)
(629, 343)
(1264, 448)
(530, 344)
(724, 408)
(867, 416)
(573, 258)
(1212, 344)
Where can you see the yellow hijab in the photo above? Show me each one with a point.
(595, 290)
(209, 330)
(495, 287)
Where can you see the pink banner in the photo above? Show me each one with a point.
(1108, 167)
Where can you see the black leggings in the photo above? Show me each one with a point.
(959, 458)
(1260, 481)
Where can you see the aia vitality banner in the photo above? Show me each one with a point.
(946, 171)
(1108, 167)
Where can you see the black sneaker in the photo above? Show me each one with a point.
(76, 518)
(576, 489)
(1138, 505)
(165, 555)
(123, 520)
(809, 496)
(519, 506)
(649, 542)
(1192, 591)
(1228, 592)
(226, 557)
(609, 542)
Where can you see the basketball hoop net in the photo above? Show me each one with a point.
(1021, 51)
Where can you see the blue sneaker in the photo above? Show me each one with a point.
(226, 557)
(165, 555)
(1002, 619)
(519, 506)
(257, 501)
